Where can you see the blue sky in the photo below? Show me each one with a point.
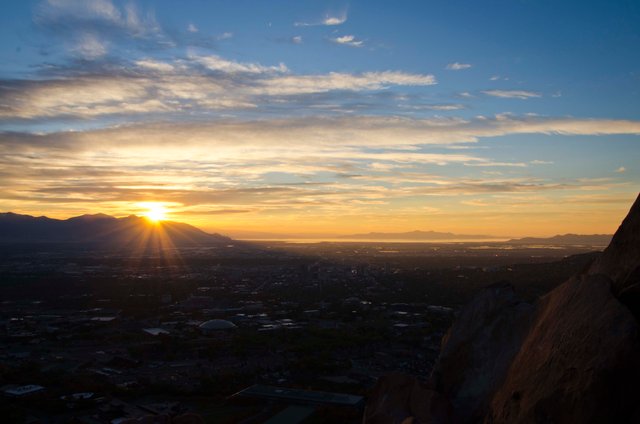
(500, 117)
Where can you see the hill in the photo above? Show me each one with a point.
(100, 230)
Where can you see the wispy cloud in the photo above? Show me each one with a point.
(621, 170)
(457, 66)
(327, 20)
(155, 65)
(342, 137)
(541, 162)
(444, 107)
(203, 82)
(335, 20)
(192, 28)
(225, 36)
(366, 167)
(217, 63)
(296, 39)
(348, 40)
(89, 46)
(89, 26)
(512, 94)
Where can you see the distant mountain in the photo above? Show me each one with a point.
(102, 230)
(417, 236)
(262, 235)
(567, 240)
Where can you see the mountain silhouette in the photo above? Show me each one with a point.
(567, 240)
(417, 236)
(103, 231)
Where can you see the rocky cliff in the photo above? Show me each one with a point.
(573, 357)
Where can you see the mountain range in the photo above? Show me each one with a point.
(417, 236)
(134, 231)
(104, 231)
(425, 236)
(567, 240)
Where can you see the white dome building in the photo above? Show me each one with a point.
(216, 325)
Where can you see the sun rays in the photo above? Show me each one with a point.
(155, 212)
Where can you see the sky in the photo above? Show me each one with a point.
(498, 117)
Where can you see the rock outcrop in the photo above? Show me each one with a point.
(573, 357)
(578, 363)
(485, 338)
(620, 261)
(402, 399)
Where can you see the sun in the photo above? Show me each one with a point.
(156, 212)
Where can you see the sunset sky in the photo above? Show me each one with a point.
(491, 117)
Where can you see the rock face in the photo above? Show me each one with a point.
(485, 338)
(578, 363)
(573, 357)
(402, 399)
(621, 259)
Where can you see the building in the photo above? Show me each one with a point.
(215, 326)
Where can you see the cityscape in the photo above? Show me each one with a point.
(306, 212)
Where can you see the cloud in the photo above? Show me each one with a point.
(541, 162)
(341, 138)
(225, 36)
(444, 107)
(306, 84)
(217, 63)
(267, 167)
(348, 40)
(328, 20)
(155, 65)
(87, 27)
(335, 20)
(192, 28)
(512, 94)
(192, 212)
(621, 170)
(456, 66)
(296, 39)
(90, 47)
(198, 83)
(79, 15)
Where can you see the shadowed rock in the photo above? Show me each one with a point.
(478, 349)
(402, 399)
(579, 362)
(621, 259)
